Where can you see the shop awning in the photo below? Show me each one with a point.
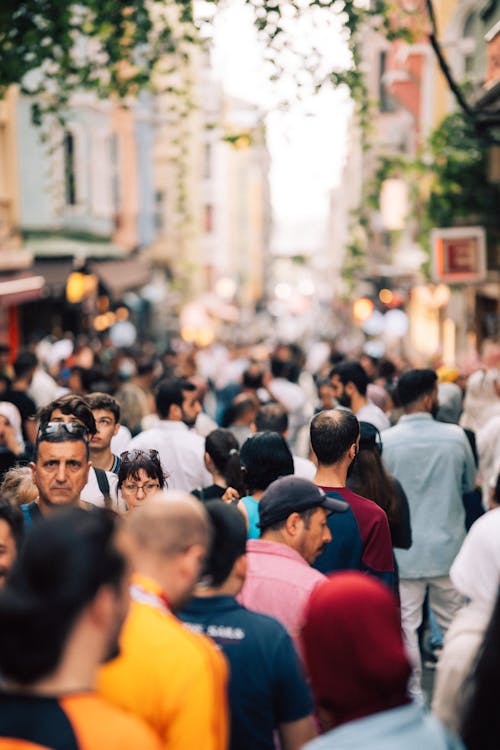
(55, 273)
(20, 287)
(119, 276)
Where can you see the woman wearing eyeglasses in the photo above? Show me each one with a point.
(140, 475)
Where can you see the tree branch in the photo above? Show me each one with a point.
(445, 68)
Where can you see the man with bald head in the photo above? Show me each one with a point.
(175, 680)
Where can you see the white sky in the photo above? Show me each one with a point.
(307, 143)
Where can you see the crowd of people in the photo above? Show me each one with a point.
(248, 548)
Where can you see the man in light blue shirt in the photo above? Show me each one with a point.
(434, 463)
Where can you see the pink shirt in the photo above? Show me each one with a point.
(278, 583)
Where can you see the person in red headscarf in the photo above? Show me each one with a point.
(359, 670)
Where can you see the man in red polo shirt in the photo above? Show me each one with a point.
(361, 539)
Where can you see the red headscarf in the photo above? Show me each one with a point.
(354, 648)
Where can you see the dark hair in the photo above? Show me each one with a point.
(25, 363)
(387, 369)
(145, 366)
(106, 402)
(66, 558)
(414, 384)
(14, 518)
(228, 541)
(134, 460)
(265, 457)
(169, 392)
(223, 449)
(253, 377)
(480, 718)
(333, 431)
(367, 475)
(305, 515)
(70, 403)
(62, 432)
(351, 372)
(282, 368)
(272, 417)
(496, 491)
(237, 409)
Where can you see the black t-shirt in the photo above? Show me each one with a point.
(266, 686)
(213, 492)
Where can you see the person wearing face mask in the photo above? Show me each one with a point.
(434, 463)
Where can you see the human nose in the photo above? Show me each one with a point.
(61, 472)
(140, 488)
(327, 535)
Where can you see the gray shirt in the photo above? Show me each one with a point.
(434, 463)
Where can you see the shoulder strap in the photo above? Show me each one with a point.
(102, 481)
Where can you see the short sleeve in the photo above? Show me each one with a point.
(293, 700)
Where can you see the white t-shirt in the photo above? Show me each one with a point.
(93, 495)
(304, 468)
(374, 415)
(181, 454)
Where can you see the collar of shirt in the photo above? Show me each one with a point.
(146, 590)
(263, 547)
(171, 424)
(417, 417)
(219, 603)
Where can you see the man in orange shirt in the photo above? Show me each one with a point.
(174, 679)
(60, 616)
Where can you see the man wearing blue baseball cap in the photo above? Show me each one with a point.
(293, 523)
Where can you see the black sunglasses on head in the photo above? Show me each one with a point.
(137, 453)
(59, 428)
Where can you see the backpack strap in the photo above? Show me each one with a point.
(102, 481)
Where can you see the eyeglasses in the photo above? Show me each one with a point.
(59, 428)
(135, 454)
(147, 487)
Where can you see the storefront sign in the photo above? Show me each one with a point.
(458, 255)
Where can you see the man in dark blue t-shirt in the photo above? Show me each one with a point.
(267, 689)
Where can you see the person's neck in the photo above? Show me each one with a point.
(331, 476)
(21, 384)
(256, 494)
(277, 537)
(160, 571)
(102, 459)
(231, 587)
(48, 507)
(76, 672)
(417, 409)
(357, 402)
(218, 479)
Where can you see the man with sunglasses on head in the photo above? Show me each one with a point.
(60, 468)
(101, 486)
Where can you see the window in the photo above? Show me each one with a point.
(159, 212)
(387, 102)
(69, 169)
(469, 44)
(207, 166)
(209, 219)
